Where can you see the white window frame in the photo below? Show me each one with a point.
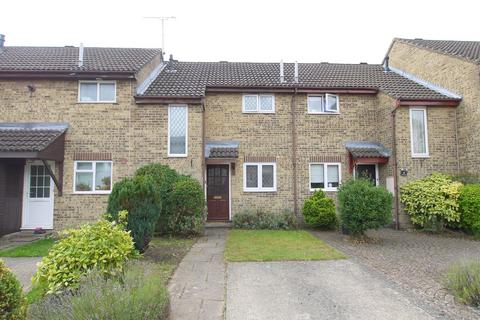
(94, 172)
(425, 119)
(324, 96)
(325, 175)
(258, 103)
(259, 177)
(177, 155)
(98, 82)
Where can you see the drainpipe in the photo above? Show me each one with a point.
(294, 151)
(204, 167)
(395, 165)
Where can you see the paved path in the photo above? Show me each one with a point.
(197, 288)
(23, 268)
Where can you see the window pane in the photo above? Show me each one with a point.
(266, 103)
(84, 165)
(88, 91)
(252, 176)
(84, 181)
(107, 92)
(332, 176)
(178, 130)
(316, 176)
(46, 192)
(250, 103)
(332, 103)
(103, 177)
(267, 176)
(33, 192)
(418, 132)
(315, 104)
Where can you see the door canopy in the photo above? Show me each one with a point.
(367, 152)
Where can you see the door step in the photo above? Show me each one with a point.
(218, 224)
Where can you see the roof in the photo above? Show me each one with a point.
(192, 79)
(468, 50)
(66, 59)
(367, 149)
(29, 137)
(221, 149)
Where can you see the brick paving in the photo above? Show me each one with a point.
(415, 261)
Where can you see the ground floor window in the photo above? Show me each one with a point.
(326, 176)
(259, 177)
(93, 177)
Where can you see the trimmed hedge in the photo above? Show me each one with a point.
(13, 305)
(265, 220)
(319, 211)
(469, 205)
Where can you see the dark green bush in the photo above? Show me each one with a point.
(363, 206)
(186, 204)
(463, 281)
(265, 220)
(319, 211)
(469, 206)
(141, 197)
(12, 301)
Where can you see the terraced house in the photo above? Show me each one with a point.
(258, 135)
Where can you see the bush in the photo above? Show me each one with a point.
(12, 301)
(463, 280)
(186, 204)
(469, 205)
(467, 178)
(432, 201)
(102, 245)
(141, 197)
(265, 220)
(363, 206)
(138, 293)
(319, 211)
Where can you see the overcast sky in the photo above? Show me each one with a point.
(205, 30)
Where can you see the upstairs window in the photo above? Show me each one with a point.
(97, 91)
(258, 103)
(177, 130)
(93, 177)
(328, 103)
(259, 177)
(419, 132)
(325, 176)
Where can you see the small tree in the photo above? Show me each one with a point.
(319, 211)
(363, 206)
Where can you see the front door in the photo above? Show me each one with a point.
(368, 171)
(218, 192)
(38, 209)
(11, 194)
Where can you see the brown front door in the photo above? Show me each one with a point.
(218, 192)
(11, 195)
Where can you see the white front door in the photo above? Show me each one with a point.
(38, 197)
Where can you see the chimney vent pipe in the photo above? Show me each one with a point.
(80, 55)
(282, 75)
(296, 72)
(2, 42)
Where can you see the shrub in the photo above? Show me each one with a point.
(264, 220)
(363, 206)
(186, 203)
(463, 280)
(102, 245)
(12, 301)
(467, 178)
(319, 211)
(141, 198)
(138, 293)
(432, 201)
(469, 204)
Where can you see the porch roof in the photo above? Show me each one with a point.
(221, 149)
(367, 149)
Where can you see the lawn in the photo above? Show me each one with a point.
(38, 248)
(276, 245)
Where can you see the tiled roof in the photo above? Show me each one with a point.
(469, 50)
(29, 137)
(367, 149)
(66, 59)
(190, 79)
(221, 149)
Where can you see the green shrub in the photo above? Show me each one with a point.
(363, 206)
(319, 211)
(187, 204)
(463, 281)
(467, 178)
(138, 293)
(142, 199)
(265, 220)
(469, 204)
(432, 201)
(12, 301)
(102, 245)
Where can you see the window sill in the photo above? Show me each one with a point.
(258, 112)
(326, 190)
(93, 192)
(177, 156)
(420, 156)
(259, 191)
(325, 113)
(97, 102)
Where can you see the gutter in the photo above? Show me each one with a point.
(290, 89)
(168, 99)
(67, 75)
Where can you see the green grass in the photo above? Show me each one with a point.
(276, 245)
(38, 248)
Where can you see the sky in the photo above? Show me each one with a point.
(342, 31)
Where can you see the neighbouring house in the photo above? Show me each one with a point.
(257, 135)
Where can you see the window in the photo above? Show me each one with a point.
(177, 130)
(419, 132)
(93, 177)
(97, 91)
(327, 103)
(325, 176)
(259, 177)
(263, 103)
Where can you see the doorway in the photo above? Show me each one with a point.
(218, 192)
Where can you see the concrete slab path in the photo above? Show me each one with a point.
(197, 289)
(23, 268)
